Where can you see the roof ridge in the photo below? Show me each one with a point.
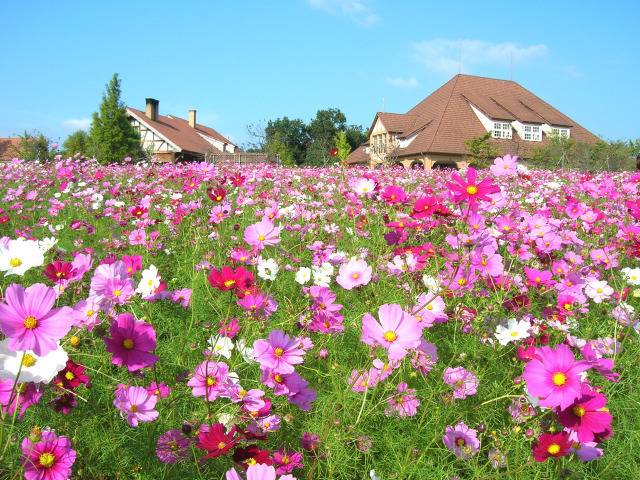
(453, 89)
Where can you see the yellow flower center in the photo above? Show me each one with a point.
(28, 360)
(355, 276)
(127, 343)
(460, 442)
(277, 378)
(69, 376)
(117, 293)
(472, 189)
(579, 411)
(553, 449)
(221, 445)
(514, 334)
(390, 336)
(134, 408)
(15, 262)
(278, 351)
(559, 379)
(46, 460)
(261, 237)
(30, 322)
(211, 381)
(90, 313)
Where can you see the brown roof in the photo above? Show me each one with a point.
(8, 148)
(358, 156)
(178, 132)
(448, 119)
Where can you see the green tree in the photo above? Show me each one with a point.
(356, 135)
(76, 142)
(292, 132)
(34, 146)
(323, 130)
(480, 151)
(569, 154)
(342, 145)
(276, 146)
(112, 136)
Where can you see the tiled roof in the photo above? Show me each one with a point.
(450, 120)
(178, 132)
(8, 148)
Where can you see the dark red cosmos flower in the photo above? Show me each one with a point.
(215, 441)
(72, 376)
(551, 445)
(333, 152)
(57, 271)
(240, 280)
(216, 194)
(65, 403)
(251, 455)
(138, 212)
(237, 180)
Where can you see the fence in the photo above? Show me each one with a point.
(244, 158)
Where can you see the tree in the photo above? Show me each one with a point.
(277, 146)
(292, 132)
(322, 130)
(112, 136)
(356, 135)
(567, 153)
(76, 142)
(34, 146)
(480, 150)
(342, 145)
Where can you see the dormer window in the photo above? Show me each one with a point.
(532, 133)
(560, 132)
(501, 130)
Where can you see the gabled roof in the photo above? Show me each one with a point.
(178, 132)
(449, 120)
(8, 148)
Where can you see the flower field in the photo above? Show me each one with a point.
(179, 321)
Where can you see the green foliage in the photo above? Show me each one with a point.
(112, 136)
(343, 146)
(76, 142)
(480, 151)
(322, 130)
(276, 146)
(34, 146)
(566, 153)
(292, 132)
(356, 136)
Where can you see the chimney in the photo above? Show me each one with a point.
(192, 118)
(152, 109)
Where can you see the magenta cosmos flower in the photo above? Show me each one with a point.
(470, 189)
(258, 471)
(262, 234)
(131, 343)
(136, 404)
(461, 440)
(50, 458)
(354, 274)
(279, 353)
(553, 376)
(397, 331)
(29, 320)
(588, 416)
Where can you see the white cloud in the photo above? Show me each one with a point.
(445, 55)
(402, 82)
(357, 10)
(77, 123)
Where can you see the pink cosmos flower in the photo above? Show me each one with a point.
(393, 194)
(131, 343)
(299, 392)
(258, 471)
(354, 274)
(28, 394)
(29, 320)
(173, 446)
(279, 353)
(588, 416)
(553, 376)
(464, 382)
(469, 189)
(397, 331)
(404, 403)
(136, 404)
(504, 166)
(209, 380)
(49, 458)
(262, 234)
(461, 440)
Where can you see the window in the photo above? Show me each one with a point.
(501, 130)
(560, 132)
(532, 133)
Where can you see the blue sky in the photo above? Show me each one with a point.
(244, 62)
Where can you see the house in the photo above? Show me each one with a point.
(8, 148)
(432, 134)
(172, 138)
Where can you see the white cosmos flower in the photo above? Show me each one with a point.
(47, 244)
(364, 186)
(149, 282)
(245, 351)
(34, 368)
(631, 275)
(18, 256)
(515, 330)
(303, 275)
(221, 345)
(267, 269)
(598, 290)
(432, 283)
